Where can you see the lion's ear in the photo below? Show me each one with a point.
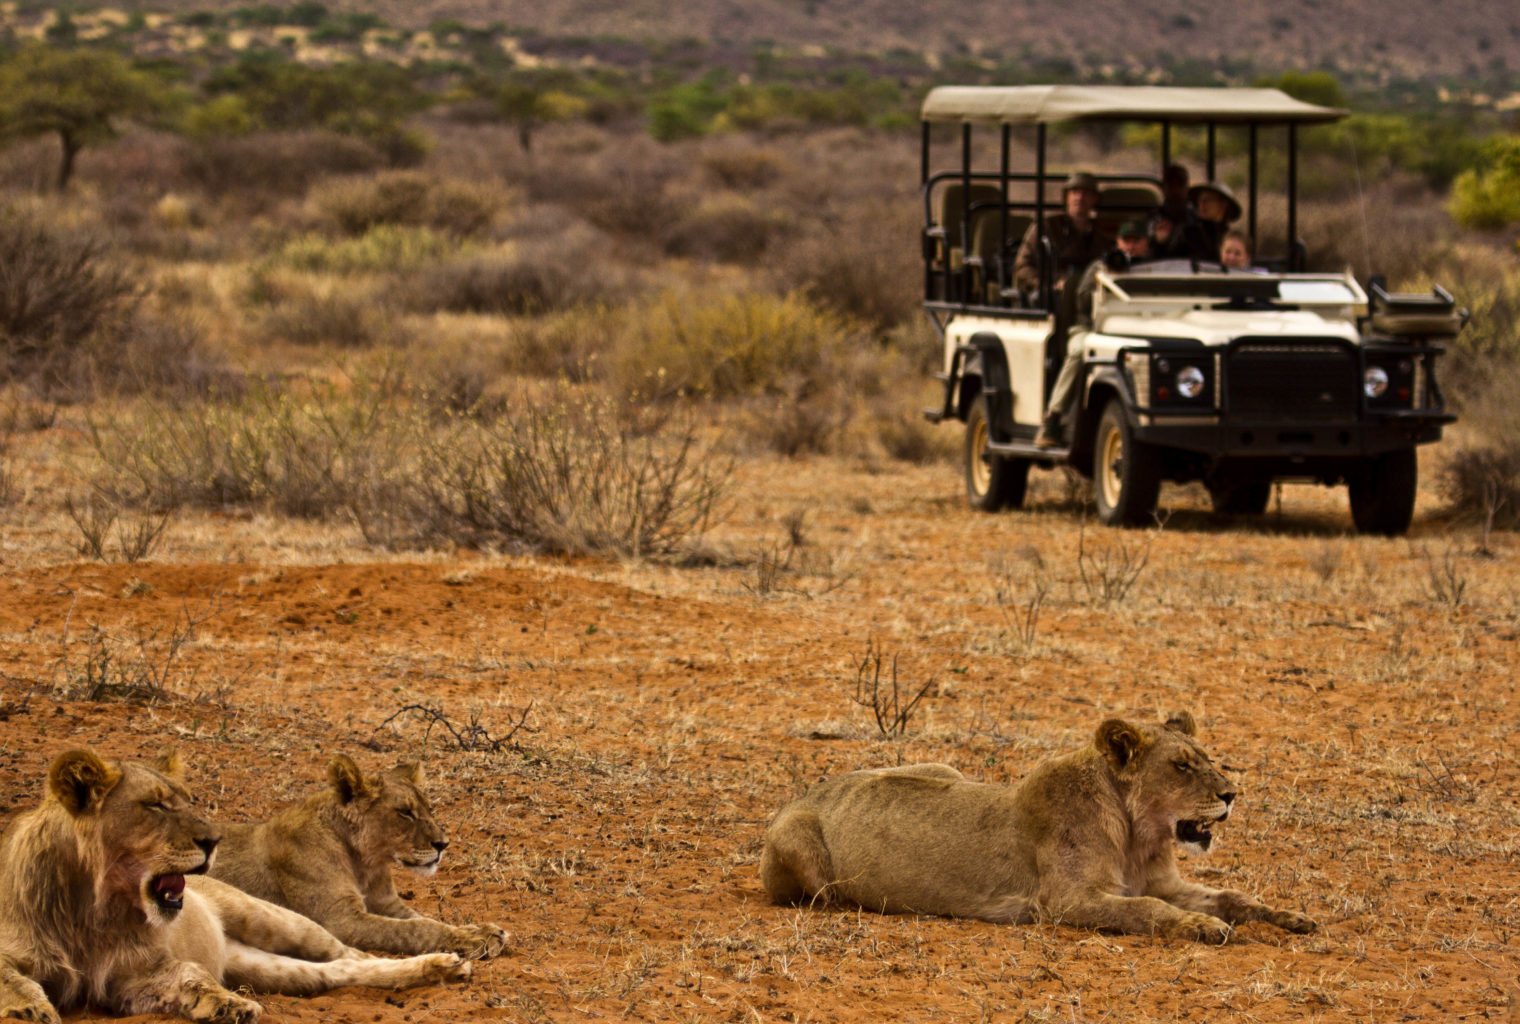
(411, 771)
(1119, 741)
(168, 763)
(1182, 721)
(80, 781)
(346, 779)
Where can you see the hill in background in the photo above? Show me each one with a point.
(1456, 42)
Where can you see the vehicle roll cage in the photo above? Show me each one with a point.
(1040, 106)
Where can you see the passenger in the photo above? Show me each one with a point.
(1133, 246)
(1169, 238)
(1074, 236)
(1235, 250)
(1217, 210)
(1174, 193)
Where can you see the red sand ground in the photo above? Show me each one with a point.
(1362, 692)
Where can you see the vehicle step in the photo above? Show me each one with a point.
(1027, 450)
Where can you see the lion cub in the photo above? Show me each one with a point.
(95, 906)
(1085, 840)
(329, 857)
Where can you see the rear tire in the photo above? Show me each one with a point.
(1126, 473)
(993, 482)
(1383, 493)
(1243, 498)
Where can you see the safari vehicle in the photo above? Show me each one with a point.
(1190, 371)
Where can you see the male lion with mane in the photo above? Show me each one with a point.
(95, 907)
(329, 857)
(1085, 840)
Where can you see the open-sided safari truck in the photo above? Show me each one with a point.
(1190, 370)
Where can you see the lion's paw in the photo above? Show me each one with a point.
(40, 1011)
(1289, 921)
(1204, 928)
(446, 967)
(479, 941)
(224, 1008)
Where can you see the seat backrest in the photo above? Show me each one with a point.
(986, 235)
(952, 208)
(1119, 203)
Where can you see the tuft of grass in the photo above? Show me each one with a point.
(381, 248)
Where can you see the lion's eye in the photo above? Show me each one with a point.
(408, 815)
(1183, 767)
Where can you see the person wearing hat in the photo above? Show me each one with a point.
(1133, 246)
(1074, 236)
(1217, 210)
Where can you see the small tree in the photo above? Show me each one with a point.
(77, 94)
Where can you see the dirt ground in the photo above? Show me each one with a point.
(606, 742)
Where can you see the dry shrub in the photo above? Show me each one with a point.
(562, 472)
(166, 359)
(724, 345)
(864, 263)
(300, 455)
(571, 346)
(61, 293)
(530, 275)
(725, 228)
(281, 163)
(622, 190)
(1480, 474)
(449, 205)
(1396, 229)
(339, 317)
(745, 168)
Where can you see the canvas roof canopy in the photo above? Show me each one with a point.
(1046, 104)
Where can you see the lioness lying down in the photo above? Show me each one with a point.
(1085, 840)
(329, 857)
(95, 906)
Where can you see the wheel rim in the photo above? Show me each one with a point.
(979, 471)
(1111, 476)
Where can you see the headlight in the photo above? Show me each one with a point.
(1190, 381)
(1375, 382)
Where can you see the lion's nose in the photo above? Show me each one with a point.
(208, 844)
(441, 845)
(1228, 796)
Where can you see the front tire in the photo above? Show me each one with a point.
(993, 482)
(1126, 472)
(1383, 492)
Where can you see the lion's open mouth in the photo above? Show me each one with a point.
(1194, 833)
(168, 889)
(168, 892)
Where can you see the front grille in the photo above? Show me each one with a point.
(1304, 381)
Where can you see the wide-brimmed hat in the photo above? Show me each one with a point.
(1221, 190)
(1080, 179)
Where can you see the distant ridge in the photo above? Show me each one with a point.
(1449, 41)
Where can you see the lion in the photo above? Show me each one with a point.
(329, 857)
(1086, 840)
(96, 907)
